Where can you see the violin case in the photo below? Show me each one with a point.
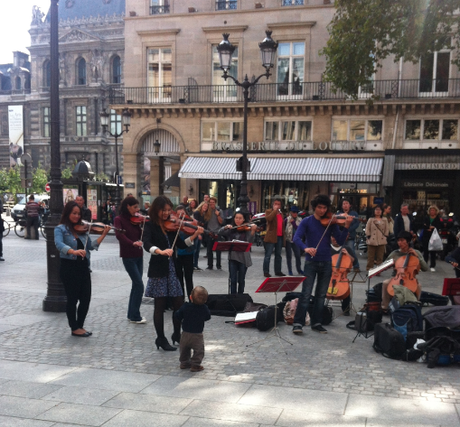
(388, 341)
(227, 305)
(427, 298)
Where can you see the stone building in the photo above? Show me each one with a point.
(303, 138)
(91, 46)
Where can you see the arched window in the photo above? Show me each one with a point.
(116, 70)
(17, 83)
(81, 72)
(47, 74)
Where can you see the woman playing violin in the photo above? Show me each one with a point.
(404, 239)
(73, 250)
(238, 262)
(163, 282)
(131, 253)
(313, 237)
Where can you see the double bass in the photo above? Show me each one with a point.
(339, 286)
(407, 267)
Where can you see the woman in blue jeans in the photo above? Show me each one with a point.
(238, 262)
(132, 254)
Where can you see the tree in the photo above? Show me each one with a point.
(39, 180)
(365, 32)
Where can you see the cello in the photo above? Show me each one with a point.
(339, 286)
(407, 267)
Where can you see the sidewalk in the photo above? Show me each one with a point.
(117, 377)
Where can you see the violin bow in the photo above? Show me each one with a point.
(89, 231)
(142, 233)
(322, 237)
(181, 217)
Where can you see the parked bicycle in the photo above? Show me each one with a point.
(6, 228)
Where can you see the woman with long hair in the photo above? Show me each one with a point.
(430, 222)
(191, 207)
(73, 247)
(376, 233)
(202, 215)
(162, 273)
(131, 254)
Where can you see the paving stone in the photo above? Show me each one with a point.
(23, 407)
(81, 395)
(26, 389)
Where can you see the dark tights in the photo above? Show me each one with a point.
(161, 304)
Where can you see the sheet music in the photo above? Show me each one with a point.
(382, 267)
(246, 317)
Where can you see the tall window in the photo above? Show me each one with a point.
(46, 121)
(158, 7)
(357, 130)
(223, 89)
(226, 4)
(81, 120)
(291, 2)
(159, 75)
(288, 130)
(115, 122)
(290, 68)
(47, 74)
(116, 70)
(81, 72)
(434, 71)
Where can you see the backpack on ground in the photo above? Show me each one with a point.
(388, 341)
(407, 318)
(265, 319)
(289, 312)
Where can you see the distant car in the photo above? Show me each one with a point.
(18, 211)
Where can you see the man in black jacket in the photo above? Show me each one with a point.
(403, 221)
(85, 212)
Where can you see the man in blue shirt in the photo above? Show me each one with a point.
(314, 240)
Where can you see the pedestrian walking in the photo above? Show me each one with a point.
(376, 234)
(163, 283)
(73, 243)
(431, 222)
(193, 315)
(128, 233)
(238, 262)
(291, 224)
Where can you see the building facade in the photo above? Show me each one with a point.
(91, 56)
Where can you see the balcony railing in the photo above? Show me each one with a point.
(292, 3)
(159, 10)
(226, 4)
(281, 92)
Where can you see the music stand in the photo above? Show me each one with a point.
(275, 285)
(371, 273)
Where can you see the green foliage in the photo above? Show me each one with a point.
(39, 179)
(101, 176)
(365, 32)
(66, 173)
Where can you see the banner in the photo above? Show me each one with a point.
(16, 134)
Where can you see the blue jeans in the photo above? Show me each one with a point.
(237, 274)
(134, 267)
(268, 253)
(292, 247)
(351, 246)
(196, 254)
(322, 271)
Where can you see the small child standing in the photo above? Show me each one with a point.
(193, 315)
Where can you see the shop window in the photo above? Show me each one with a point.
(81, 120)
(159, 74)
(288, 130)
(224, 89)
(290, 69)
(46, 121)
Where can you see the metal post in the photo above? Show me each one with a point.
(243, 200)
(55, 299)
(117, 172)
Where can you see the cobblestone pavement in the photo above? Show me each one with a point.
(317, 363)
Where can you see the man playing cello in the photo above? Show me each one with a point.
(313, 237)
(404, 239)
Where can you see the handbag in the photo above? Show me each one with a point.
(435, 243)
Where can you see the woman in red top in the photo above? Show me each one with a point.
(132, 255)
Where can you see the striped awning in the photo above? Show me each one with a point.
(286, 169)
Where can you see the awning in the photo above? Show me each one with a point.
(286, 169)
(172, 181)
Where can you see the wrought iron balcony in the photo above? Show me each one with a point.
(292, 2)
(282, 92)
(226, 4)
(159, 10)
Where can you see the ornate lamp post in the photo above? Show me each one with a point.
(268, 50)
(126, 122)
(55, 299)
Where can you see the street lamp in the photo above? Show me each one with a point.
(126, 121)
(268, 50)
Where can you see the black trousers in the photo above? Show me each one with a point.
(210, 253)
(32, 221)
(185, 270)
(76, 279)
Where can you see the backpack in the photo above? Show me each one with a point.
(389, 341)
(407, 318)
(289, 312)
(265, 319)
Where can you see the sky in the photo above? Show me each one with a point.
(15, 19)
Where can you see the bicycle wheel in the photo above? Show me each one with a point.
(42, 229)
(20, 229)
(6, 228)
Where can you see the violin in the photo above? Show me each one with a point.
(173, 223)
(339, 286)
(331, 219)
(139, 219)
(407, 267)
(96, 227)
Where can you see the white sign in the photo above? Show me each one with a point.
(16, 134)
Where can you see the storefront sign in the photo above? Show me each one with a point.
(425, 184)
(130, 185)
(436, 166)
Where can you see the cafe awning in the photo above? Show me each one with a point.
(368, 169)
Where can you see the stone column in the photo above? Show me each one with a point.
(132, 170)
(155, 177)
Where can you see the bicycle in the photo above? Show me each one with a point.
(20, 228)
(6, 228)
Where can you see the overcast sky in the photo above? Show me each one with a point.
(15, 19)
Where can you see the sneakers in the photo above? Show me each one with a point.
(297, 330)
(432, 269)
(139, 322)
(290, 273)
(319, 328)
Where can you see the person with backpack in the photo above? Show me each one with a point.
(404, 240)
